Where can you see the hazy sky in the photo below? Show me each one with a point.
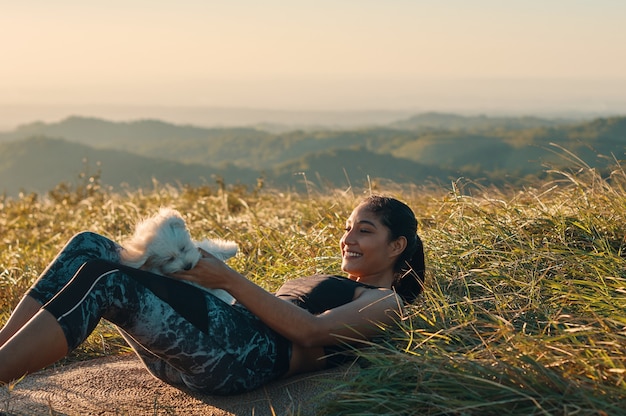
(318, 54)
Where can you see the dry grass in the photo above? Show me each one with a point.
(524, 313)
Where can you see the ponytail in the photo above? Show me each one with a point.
(410, 265)
(411, 269)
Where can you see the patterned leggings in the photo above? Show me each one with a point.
(183, 334)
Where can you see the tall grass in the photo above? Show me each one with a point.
(525, 311)
(525, 306)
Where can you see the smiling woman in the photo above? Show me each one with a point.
(190, 339)
(381, 235)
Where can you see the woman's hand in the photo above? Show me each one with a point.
(210, 272)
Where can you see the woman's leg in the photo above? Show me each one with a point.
(182, 333)
(81, 248)
(39, 343)
(26, 309)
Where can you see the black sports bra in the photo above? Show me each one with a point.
(320, 293)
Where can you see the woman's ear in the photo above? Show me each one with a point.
(398, 245)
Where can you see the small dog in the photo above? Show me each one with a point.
(162, 244)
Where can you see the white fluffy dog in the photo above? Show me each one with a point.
(162, 244)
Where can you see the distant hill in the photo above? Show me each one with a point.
(493, 150)
(38, 164)
(357, 167)
(455, 122)
(519, 152)
(136, 134)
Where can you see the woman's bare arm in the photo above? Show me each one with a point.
(360, 319)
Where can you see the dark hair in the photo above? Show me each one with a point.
(401, 221)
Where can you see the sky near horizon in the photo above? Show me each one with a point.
(314, 54)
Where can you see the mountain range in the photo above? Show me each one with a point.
(428, 147)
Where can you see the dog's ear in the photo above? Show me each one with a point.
(133, 258)
(177, 223)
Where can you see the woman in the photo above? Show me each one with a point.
(190, 339)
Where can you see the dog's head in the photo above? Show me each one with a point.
(161, 244)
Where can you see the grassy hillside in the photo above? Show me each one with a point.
(455, 122)
(38, 164)
(103, 133)
(524, 311)
(428, 147)
(476, 147)
(357, 168)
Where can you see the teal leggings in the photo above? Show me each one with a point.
(183, 334)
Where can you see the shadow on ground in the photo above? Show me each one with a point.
(121, 386)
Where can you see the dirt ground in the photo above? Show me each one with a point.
(121, 386)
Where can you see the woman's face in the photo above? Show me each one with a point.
(365, 247)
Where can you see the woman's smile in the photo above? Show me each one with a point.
(365, 247)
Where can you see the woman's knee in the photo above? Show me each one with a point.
(82, 283)
(97, 267)
(87, 236)
(91, 244)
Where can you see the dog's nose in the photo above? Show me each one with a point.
(189, 266)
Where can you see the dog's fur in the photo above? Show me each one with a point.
(162, 244)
